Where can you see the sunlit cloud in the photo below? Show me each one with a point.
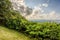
(49, 16)
(45, 5)
(38, 13)
(19, 5)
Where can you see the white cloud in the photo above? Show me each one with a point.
(54, 15)
(20, 6)
(38, 11)
(45, 5)
(50, 16)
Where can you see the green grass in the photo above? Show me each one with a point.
(8, 34)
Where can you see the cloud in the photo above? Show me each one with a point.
(53, 15)
(45, 5)
(39, 9)
(41, 16)
(19, 5)
(38, 12)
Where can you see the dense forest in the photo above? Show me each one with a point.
(13, 20)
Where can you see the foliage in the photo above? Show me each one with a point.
(49, 31)
(9, 17)
(5, 7)
(13, 20)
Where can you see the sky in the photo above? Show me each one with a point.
(47, 9)
(52, 4)
(41, 9)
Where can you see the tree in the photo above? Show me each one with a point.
(5, 6)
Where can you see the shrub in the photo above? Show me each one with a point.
(44, 31)
(13, 20)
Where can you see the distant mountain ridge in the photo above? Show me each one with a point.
(58, 21)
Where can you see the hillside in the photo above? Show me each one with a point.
(19, 26)
(7, 34)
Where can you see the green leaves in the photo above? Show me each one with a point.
(51, 30)
(13, 20)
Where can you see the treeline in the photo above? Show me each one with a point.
(13, 20)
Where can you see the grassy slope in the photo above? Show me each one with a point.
(7, 34)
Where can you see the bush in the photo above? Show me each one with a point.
(13, 20)
(44, 30)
